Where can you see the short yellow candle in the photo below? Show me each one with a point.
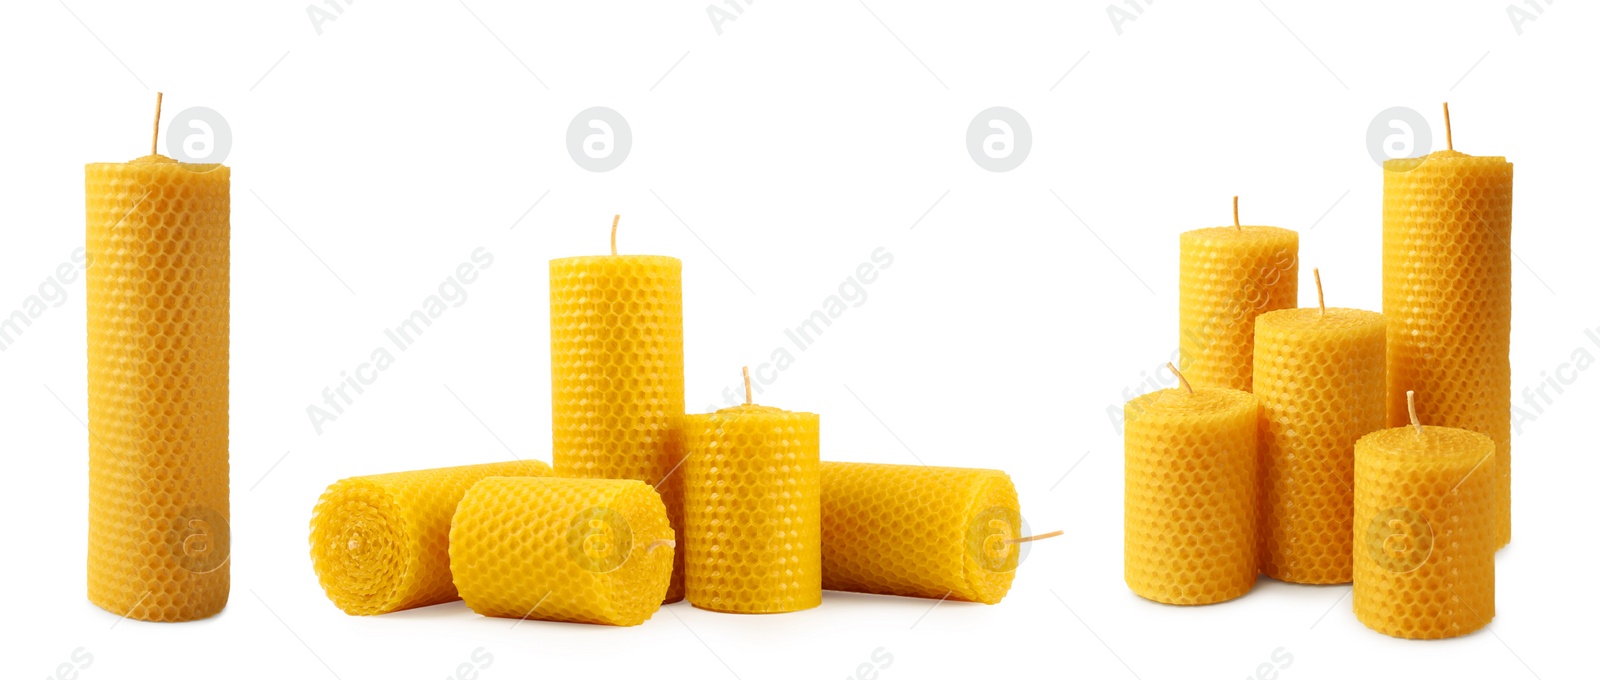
(1226, 277)
(380, 543)
(752, 510)
(1190, 494)
(578, 550)
(1447, 295)
(157, 299)
(919, 531)
(616, 369)
(1424, 531)
(1319, 377)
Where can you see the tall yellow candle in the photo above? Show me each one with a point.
(752, 509)
(380, 543)
(1189, 496)
(1424, 531)
(577, 550)
(1319, 377)
(1447, 295)
(1226, 277)
(157, 299)
(616, 369)
(919, 531)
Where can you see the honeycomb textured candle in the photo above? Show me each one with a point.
(1226, 277)
(157, 299)
(919, 531)
(616, 366)
(1319, 378)
(1189, 499)
(578, 550)
(752, 510)
(380, 543)
(1424, 523)
(1447, 295)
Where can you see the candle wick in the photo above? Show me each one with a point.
(1035, 537)
(1449, 140)
(1236, 214)
(1318, 276)
(1181, 379)
(747, 385)
(614, 220)
(1411, 406)
(155, 129)
(661, 542)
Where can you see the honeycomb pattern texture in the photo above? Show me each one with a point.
(1447, 295)
(752, 498)
(616, 368)
(157, 298)
(1319, 378)
(1190, 495)
(381, 543)
(919, 531)
(1226, 277)
(1424, 532)
(578, 550)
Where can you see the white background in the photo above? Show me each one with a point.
(371, 159)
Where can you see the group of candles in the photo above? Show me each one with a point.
(644, 505)
(1272, 456)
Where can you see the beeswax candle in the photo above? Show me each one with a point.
(578, 550)
(380, 543)
(1226, 277)
(1424, 531)
(616, 369)
(1319, 377)
(157, 298)
(1447, 295)
(752, 509)
(919, 531)
(1189, 497)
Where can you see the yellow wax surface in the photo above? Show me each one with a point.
(1424, 531)
(616, 374)
(919, 531)
(1226, 277)
(380, 543)
(157, 297)
(752, 510)
(548, 549)
(1319, 377)
(1447, 295)
(1190, 495)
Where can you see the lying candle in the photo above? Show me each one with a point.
(157, 299)
(919, 531)
(578, 550)
(1447, 294)
(1424, 531)
(616, 369)
(1226, 277)
(1189, 498)
(752, 509)
(1319, 377)
(380, 543)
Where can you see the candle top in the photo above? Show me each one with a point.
(1449, 157)
(1429, 445)
(1177, 402)
(1242, 234)
(754, 410)
(158, 160)
(1315, 319)
(658, 260)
